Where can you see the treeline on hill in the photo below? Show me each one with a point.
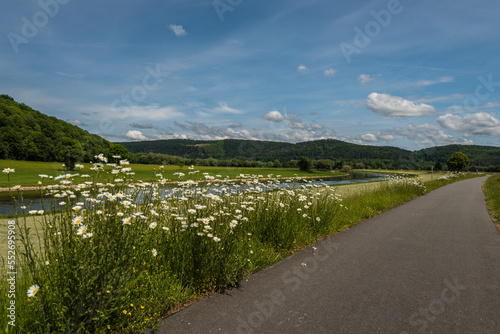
(251, 153)
(27, 134)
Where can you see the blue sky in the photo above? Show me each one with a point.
(411, 74)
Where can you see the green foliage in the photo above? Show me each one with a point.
(347, 168)
(305, 164)
(457, 161)
(324, 164)
(438, 166)
(26, 134)
(360, 165)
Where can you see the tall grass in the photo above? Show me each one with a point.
(118, 257)
(492, 193)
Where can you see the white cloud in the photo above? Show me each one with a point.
(224, 108)
(316, 126)
(478, 124)
(491, 105)
(135, 135)
(296, 125)
(388, 105)
(369, 137)
(364, 79)
(302, 69)
(330, 72)
(178, 30)
(455, 109)
(274, 133)
(76, 122)
(273, 116)
(150, 112)
(442, 98)
(428, 135)
(383, 137)
(445, 79)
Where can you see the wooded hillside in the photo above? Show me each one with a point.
(27, 134)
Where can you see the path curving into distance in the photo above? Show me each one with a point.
(429, 266)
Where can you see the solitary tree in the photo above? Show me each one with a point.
(305, 164)
(457, 161)
(181, 163)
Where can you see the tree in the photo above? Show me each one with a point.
(360, 165)
(438, 166)
(457, 161)
(347, 168)
(305, 164)
(324, 164)
(180, 163)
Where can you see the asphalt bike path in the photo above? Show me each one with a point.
(429, 266)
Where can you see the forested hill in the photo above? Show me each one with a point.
(335, 150)
(27, 134)
(266, 150)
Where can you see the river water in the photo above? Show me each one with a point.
(32, 199)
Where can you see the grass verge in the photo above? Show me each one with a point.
(492, 193)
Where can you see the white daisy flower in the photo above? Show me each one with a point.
(77, 220)
(82, 230)
(32, 291)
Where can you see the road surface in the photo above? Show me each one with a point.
(429, 266)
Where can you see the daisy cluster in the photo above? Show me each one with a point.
(450, 175)
(207, 234)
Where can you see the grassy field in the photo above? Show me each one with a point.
(27, 172)
(492, 193)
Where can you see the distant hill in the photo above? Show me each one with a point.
(27, 134)
(478, 155)
(335, 150)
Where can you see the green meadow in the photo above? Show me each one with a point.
(27, 172)
(124, 257)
